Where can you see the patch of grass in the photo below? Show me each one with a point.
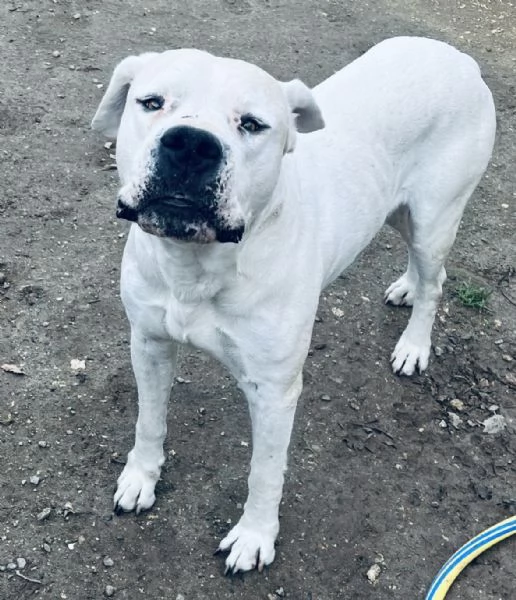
(473, 296)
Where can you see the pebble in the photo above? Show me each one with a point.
(443, 424)
(11, 566)
(457, 404)
(507, 357)
(109, 591)
(455, 420)
(3, 278)
(42, 444)
(46, 547)
(45, 513)
(21, 562)
(34, 479)
(108, 562)
(494, 424)
(438, 350)
(180, 597)
(77, 16)
(280, 592)
(56, 54)
(373, 573)
(325, 397)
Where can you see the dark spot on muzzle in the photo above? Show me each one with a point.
(230, 235)
(126, 212)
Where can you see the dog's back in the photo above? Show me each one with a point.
(409, 121)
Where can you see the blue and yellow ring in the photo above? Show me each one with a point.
(461, 559)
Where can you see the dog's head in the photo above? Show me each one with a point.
(200, 140)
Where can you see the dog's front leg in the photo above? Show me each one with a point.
(154, 363)
(251, 541)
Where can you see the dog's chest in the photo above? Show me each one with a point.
(203, 327)
(189, 323)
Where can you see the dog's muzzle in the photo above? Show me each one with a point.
(183, 196)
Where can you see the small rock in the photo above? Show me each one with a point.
(108, 562)
(46, 547)
(109, 591)
(373, 573)
(56, 54)
(325, 397)
(42, 444)
(280, 592)
(507, 357)
(443, 424)
(457, 404)
(44, 514)
(3, 278)
(77, 16)
(21, 562)
(34, 479)
(455, 420)
(494, 424)
(11, 566)
(438, 350)
(180, 597)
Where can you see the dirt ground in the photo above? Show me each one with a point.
(385, 470)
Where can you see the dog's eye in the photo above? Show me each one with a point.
(152, 103)
(251, 124)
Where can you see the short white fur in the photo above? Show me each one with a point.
(409, 131)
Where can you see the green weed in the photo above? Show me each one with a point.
(473, 296)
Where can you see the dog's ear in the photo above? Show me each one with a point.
(308, 114)
(108, 115)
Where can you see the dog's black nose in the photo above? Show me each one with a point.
(192, 147)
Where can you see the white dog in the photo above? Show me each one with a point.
(241, 222)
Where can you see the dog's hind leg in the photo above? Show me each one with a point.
(402, 291)
(429, 230)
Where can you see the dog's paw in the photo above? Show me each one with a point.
(135, 488)
(401, 292)
(249, 548)
(408, 356)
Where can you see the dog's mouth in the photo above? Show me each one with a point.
(177, 216)
(177, 202)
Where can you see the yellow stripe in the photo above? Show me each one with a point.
(442, 590)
